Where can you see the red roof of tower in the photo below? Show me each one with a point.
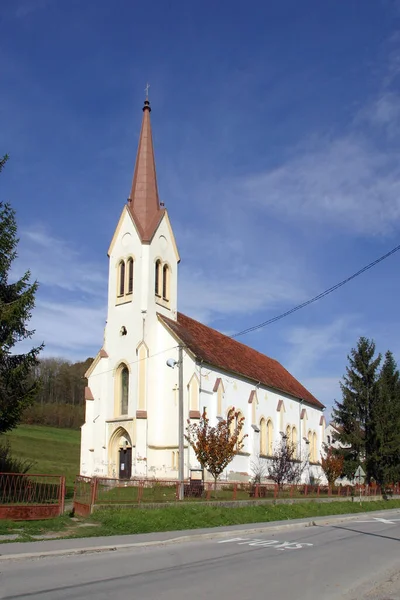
(144, 203)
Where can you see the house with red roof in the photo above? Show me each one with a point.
(136, 405)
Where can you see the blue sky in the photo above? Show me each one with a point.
(276, 130)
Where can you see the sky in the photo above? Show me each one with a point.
(276, 132)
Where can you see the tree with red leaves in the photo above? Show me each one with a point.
(215, 447)
(332, 464)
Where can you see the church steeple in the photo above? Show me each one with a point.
(144, 203)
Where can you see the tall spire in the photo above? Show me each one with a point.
(144, 203)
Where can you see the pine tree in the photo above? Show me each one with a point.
(385, 425)
(353, 415)
(18, 388)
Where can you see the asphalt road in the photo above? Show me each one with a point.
(344, 560)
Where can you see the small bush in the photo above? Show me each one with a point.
(11, 464)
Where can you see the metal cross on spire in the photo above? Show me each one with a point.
(146, 89)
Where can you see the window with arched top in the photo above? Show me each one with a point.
(314, 440)
(239, 417)
(121, 278)
(288, 436)
(263, 436)
(310, 448)
(294, 442)
(194, 394)
(124, 390)
(157, 278)
(270, 438)
(130, 276)
(165, 283)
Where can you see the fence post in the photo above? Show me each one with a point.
(275, 490)
(234, 491)
(318, 492)
(140, 493)
(291, 491)
(256, 491)
(177, 490)
(93, 494)
(208, 491)
(305, 490)
(62, 495)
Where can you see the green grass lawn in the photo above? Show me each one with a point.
(170, 518)
(192, 516)
(54, 451)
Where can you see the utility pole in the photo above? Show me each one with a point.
(181, 466)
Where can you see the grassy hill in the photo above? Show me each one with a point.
(54, 451)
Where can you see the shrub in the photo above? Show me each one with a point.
(11, 464)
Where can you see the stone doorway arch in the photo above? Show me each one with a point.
(120, 454)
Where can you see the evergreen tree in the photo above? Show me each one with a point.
(353, 415)
(18, 387)
(384, 458)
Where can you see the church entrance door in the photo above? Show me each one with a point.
(125, 463)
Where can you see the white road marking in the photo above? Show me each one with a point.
(380, 520)
(276, 544)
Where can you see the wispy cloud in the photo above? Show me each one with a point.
(70, 330)
(346, 182)
(207, 296)
(25, 8)
(311, 346)
(56, 263)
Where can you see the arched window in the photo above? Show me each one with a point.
(310, 445)
(130, 276)
(124, 390)
(254, 409)
(263, 436)
(294, 442)
(288, 436)
(194, 394)
(165, 283)
(315, 457)
(121, 284)
(241, 434)
(270, 435)
(157, 278)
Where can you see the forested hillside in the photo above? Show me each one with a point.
(60, 401)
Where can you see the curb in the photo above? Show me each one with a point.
(318, 521)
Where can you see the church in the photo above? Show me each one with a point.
(131, 427)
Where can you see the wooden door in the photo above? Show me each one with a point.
(125, 463)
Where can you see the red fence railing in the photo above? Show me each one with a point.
(107, 491)
(31, 496)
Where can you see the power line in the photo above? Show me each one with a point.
(321, 295)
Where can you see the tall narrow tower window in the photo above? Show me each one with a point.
(165, 287)
(121, 284)
(124, 390)
(130, 276)
(270, 437)
(157, 276)
(263, 437)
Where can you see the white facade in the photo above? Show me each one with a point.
(132, 396)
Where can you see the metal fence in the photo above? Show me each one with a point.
(104, 491)
(31, 496)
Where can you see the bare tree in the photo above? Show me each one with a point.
(283, 467)
(259, 469)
